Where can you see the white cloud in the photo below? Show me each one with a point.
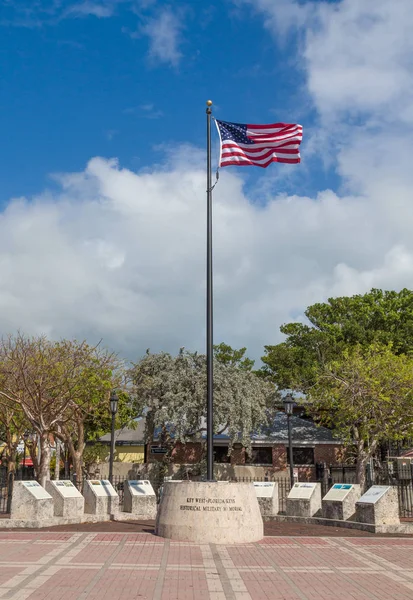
(121, 256)
(164, 33)
(91, 7)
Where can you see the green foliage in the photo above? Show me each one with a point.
(366, 397)
(171, 392)
(98, 421)
(231, 357)
(385, 317)
(95, 453)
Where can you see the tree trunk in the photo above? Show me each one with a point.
(11, 461)
(363, 457)
(44, 466)
(32, 446)
(76, 457)
(57, 467)
(361, 471)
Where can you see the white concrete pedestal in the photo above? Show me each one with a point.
(30, 501)
(267, 495)
(100, 497)
(139, 499)
(209, 512)
(379, 506)
(68, 501)
(304, 500)
(339, 504)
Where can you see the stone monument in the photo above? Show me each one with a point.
(340, 501)
(267, 495)
(140, 499)
(30, 502)
(379, 506)
(100, 497)
(68, 501)
(209, 512)
(304, 500)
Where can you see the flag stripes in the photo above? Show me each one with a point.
(259, 145)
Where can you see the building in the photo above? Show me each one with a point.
(129, 443)
(312, 445)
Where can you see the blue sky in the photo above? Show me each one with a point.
(102, 214)
(89, 82)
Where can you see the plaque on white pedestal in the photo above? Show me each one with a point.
(338, 492)
(267, 495)
(304, 500)
(140, 499)
(68, 501)
(100, 497)
(30, 501)
(374, 494)
(340, 501)
(264, 489)
(141, 487)
(36, 490)
(302, 490)
(379, 506)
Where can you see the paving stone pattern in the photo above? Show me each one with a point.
(139, 566)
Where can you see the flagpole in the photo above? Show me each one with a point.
(209, 309)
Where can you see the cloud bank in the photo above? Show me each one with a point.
(119, 255)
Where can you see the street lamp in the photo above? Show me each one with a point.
(113, 409)
(289, 406)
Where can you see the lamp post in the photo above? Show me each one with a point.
(289, 406)
(113, 409)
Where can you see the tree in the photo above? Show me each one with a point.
(171, 392)
(54, 384)
(12, 427)
(231, 357)
(379, 316)
(366, 397)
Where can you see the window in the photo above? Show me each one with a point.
(221, 454)
(302, 456)
(260, 456)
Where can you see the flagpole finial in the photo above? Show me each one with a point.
(209, 102)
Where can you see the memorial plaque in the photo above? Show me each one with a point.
(36, 490)
(264, 489)
(67, 489)
(108, 487)
(100, 497)
(209, 512)
(339, 492)
(102, 488)
(374, 494)
(141, 488)
(302, 491)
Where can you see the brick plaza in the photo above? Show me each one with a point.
(76, 565)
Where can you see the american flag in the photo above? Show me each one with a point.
(259, 145)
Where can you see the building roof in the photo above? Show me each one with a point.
(128, 435)
(303, 431)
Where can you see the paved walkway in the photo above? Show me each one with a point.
(139, 566)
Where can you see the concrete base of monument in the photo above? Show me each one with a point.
(52, 522)
(402, 528)
(219, 512)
